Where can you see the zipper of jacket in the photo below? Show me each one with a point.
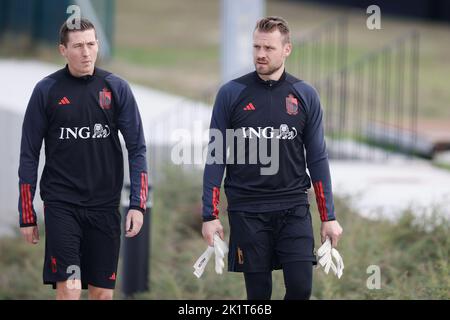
(271, 122)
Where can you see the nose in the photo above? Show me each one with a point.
(85, 50)
(261, 53)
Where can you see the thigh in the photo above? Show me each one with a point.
(251, 242)
(295, 238)
(100, 247)
(63, 236)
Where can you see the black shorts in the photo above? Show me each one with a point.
(81, 243)
(262, 242)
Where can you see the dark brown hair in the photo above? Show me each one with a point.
(272, 23)
(85, 24)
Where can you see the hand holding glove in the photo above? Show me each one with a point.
(220, 250)
(327, 254)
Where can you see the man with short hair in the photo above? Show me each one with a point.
(79, 111)
(270, 222)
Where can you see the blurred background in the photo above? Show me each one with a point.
(386, 97)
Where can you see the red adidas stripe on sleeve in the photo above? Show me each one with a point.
(320, 199)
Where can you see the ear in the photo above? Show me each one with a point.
(62, 50)
(287, 49)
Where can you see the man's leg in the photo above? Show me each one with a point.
(251, 252)
(100, 252)
(62, 251)
(295, 249)
(96, 293)
(258, 285)
(68, 290)
(298, 280)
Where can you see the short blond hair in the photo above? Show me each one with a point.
(272, 23)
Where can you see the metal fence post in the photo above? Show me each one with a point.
(136, 251)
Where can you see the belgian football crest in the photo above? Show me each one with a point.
(104, 99)
(291, 105)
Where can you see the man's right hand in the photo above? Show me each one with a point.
(209, 228)
(30, 234)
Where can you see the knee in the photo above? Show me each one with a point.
(298, 292)
(263, 293)
(100, 294)
(66, 291)
(258, 286)
(298, 280)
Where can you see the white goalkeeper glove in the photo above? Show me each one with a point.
(327, 254)
(220, 250)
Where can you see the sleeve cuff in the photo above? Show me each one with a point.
(137, 208)
(210, 218)
(24, 225)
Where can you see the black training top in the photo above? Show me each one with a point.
(285, 114)
(79, 119)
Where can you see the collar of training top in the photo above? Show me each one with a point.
(270, 83)
(82, 78)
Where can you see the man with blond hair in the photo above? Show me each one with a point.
(270, 222)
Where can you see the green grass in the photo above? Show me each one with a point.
(412, 254)
(21, 265)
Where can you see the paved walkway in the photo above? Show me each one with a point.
(387, 188)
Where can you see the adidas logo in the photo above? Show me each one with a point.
(64, 101)
(113, 276)
(250, 107)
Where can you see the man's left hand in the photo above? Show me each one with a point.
(134, 222)
(331, 229)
